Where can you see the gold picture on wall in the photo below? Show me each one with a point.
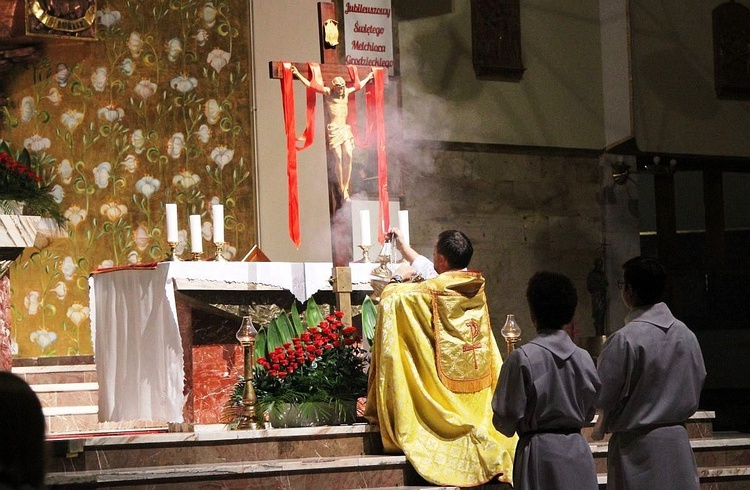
(61, 18)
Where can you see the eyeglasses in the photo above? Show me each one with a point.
(620, 284)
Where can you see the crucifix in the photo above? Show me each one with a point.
(336, 82)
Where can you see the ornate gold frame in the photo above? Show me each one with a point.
(40, 22)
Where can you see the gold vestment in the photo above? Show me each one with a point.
(435, 364)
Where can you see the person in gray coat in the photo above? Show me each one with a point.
(546, 393)
(652, 373)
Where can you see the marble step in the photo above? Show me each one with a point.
(57, 374)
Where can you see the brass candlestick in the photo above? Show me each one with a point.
(365, 254)
(172, 256)
(218, 256)
(246, 337)
(195, 256)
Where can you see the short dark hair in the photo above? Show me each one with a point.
(646, 277)
(552, 299)
(456, 248)
(22, 446)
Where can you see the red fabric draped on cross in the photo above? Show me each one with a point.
(294, 143)
(374, 97)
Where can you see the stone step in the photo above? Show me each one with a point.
(56, 374)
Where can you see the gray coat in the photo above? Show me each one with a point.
(652, 373)
(546, 394)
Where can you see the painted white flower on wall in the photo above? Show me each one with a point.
(60, 290)
(108, 17)
(31, 302)
(207, 231)
(183, 83)
(68, 268)
(99, 79)
(43, 338)
(37, 143)
(54, 96)
(133, 257)
(113, 210)
(127, 67)
(71, 119)
(174, 49)
(111, 113)
(209, 14)
(63, 75)
(57, 193)
(101, 174)
(27, 108)
(78, 313)
(212, 111)
(201, 37)
(138, 141)
(65, 171)
(186, 179)
(105, 264)
(204, 133)
(135, 44)
(75, 215)
(147, 185)
(221, 155)
(175, 145)
(182, 242)
(218, 59)
(141, 238)
(130, 163)
(145, 88)
(229, 252)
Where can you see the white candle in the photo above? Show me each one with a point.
(172, 223)
(364, 223)
(403, 224)
(217, 212)
(196, 238)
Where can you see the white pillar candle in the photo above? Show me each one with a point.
(364, 223)
(172, 223)
(196, 238)
(217, 212)
(403, 224)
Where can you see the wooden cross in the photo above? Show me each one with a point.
(331, 67)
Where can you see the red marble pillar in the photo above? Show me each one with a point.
(6, 354)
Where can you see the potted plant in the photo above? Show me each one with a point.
(310, 370)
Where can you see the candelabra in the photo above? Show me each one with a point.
(511, 332)
(365, 254)
(219, 255)
(172, 256)
(246, 337)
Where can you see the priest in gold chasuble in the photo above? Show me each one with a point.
(434, 368)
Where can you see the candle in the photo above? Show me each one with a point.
(364, 223)
(196, 238)
(403, 225)
(172, 223)
(217, 212)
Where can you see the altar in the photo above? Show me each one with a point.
(163, 353)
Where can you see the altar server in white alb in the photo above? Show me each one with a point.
(546, 393)
(652, 373)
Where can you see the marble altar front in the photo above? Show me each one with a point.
(164, 353)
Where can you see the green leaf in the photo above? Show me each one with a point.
(261, 346)
(274, 336)
(299, 328)
(313, 315)
(286, 331)
(369, 318)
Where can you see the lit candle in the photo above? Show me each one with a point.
(172, 223)
(403, 225)
(196, 237)
(364, 223)
(217, 212)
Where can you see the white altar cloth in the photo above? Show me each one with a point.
(136, 338)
